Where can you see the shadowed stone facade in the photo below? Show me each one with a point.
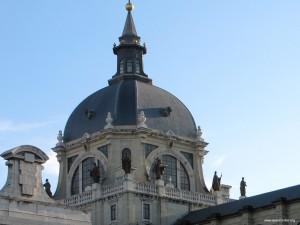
(281, 207)
(23, 200)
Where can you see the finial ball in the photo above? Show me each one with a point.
(129, 6)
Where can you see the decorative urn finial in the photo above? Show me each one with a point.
(60, 138)
(142, 120)
(109, 120)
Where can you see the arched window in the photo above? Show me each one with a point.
(82, 176)
(122, 66)
(126, 160)
(75, 183)
(126, 153)
(184, 179)
(171, 169)
(87, 167)
(174, 170)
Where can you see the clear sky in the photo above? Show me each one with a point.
(235, 64)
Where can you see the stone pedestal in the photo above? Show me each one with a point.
(161, 187)
(96, 190)
(219, 197)
(129, 183)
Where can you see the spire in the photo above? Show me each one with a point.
(129, 35)
(130, 52)
(129, 28)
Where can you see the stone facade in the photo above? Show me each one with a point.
(130, 153)
(23, 200)
(129, 192)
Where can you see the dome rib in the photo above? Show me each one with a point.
(125, 100)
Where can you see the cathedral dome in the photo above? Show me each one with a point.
(125, 99)
(130, 92)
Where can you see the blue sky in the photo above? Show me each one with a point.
(235, 64)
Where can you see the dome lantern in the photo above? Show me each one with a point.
(130, 98)
(129, 52)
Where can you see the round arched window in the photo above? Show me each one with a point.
(174, 172)
(87, 167)
(126, 160)
(82, 177)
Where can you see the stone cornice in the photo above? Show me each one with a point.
(141, 132)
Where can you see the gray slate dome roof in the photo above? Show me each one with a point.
(130, 91)
(125, 99)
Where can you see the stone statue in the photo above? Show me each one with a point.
(216, 182)
(95, 173)
(159, 169)
(126, 161)
(60, 138)
(199, 134)
(243, 188)
(47, 187)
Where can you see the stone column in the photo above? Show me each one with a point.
(219, 197)
(198, 162)
(129, 184)
(61, 190)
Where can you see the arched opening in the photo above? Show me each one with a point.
(184, 179)
(171, 169)
(126, 160)
(174, 172)
(87, 167)
(75, 183)
(82, 177)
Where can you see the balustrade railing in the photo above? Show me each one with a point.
(143, 188)
(79, 199)
(146, 188)
(194, 197)
(112, 189)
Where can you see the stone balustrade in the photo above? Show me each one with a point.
(99, 192)
(193, 197)
(112, 189)
(146, 188)
(81, 199)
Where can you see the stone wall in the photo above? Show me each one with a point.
(23, 200)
